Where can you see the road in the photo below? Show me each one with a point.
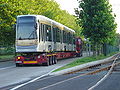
(63, 82)
(75, 81)
(112, 82)
(9, 74)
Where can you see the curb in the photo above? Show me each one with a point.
(82, 66)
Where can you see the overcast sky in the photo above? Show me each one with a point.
(69, 5)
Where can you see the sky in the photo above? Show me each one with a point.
(69, 5)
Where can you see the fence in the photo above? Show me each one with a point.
(105, 49)
(109, 49)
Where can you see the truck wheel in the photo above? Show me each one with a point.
(51, 60)
(78, 55)
(55, 59)
(18, 65)
(48, 62)
(81, 54)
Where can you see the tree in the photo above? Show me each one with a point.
(10, 9)
(6, 21)
(97, 21)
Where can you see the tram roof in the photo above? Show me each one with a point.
(49, 20)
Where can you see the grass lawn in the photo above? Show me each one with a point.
(83, 60)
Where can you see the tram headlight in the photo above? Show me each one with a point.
(18, 58)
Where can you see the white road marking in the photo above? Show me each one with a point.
(101, 80)
(28, 82)
(33, 80)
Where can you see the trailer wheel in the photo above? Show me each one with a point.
(51, 60)
(55, 59)
(78, 55)
(48, 62)
(18, 65)
(81, 54)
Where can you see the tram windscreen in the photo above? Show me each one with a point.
(26, 28)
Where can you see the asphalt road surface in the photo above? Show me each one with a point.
(10, 74)
(75, 82)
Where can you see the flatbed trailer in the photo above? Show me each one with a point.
(43, 59)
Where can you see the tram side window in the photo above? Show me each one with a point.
(67, 39)
(58, 35)
(64, 37)
(71, 38)
(54, 34)
(43, 34)
(42, 30)
(48, 32)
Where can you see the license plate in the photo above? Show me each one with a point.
(18, 61)
(29, 62)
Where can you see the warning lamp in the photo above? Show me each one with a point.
(18, 57)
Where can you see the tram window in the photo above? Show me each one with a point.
(54, 34)
(48, 32)
(71, 38)
(43, 32)
(40, 25)
(74, 39)
(63, 36)
(67, 41)
(42, 29)
(58, 35)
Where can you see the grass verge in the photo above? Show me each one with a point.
(6, 57)
(83, 60)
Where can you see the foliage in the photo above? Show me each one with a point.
(97, 21)
(6, 21)
(117, 39)
(9, 9)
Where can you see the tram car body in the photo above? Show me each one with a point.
(37, 33)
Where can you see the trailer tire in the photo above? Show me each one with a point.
(48, 62)
(18, 65)
(55, 59)
(51, 60)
